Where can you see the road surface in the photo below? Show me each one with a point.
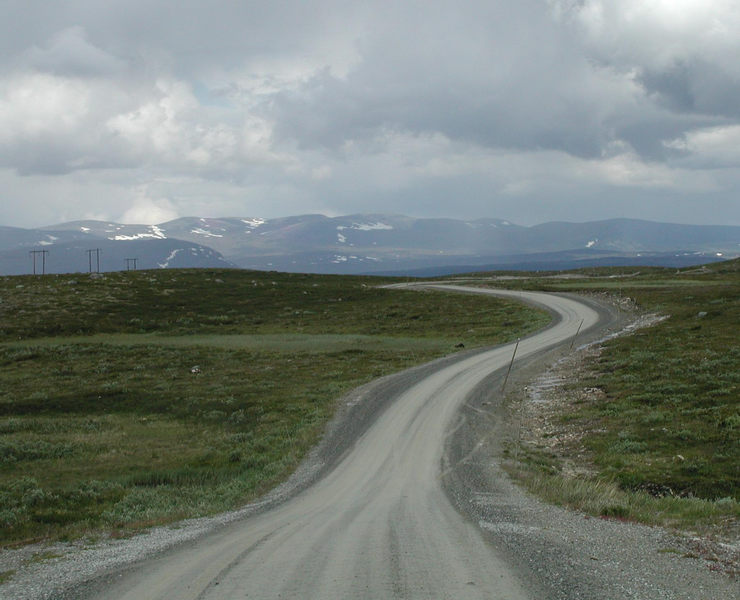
(378, 525)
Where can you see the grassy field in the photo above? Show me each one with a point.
(139, 398)
(662, 431)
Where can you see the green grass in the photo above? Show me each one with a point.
(105, 426)
(6, 576)
(672, 409)
(605, 498)
(665, 435)
(286, 342)
(238, 302)
(39, 557)
(621, 284)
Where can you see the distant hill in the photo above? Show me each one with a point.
(67, 253)
(367, 244)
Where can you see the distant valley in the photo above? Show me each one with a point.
(371, 244)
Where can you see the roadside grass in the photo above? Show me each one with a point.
(663, 433)
(633, 285)
(191, 302)
(117, 412)
(604, 498)
(286, 342)
(6, 576)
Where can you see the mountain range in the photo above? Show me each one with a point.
(360, 244)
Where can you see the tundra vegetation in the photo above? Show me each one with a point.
(138, 398)
(654, 418)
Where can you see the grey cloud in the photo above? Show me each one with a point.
(647, 131)
(512, 81)
(517, 79)
(189, 36)
(69, 53)
(684, 55)
(301, 106)
(696, 87)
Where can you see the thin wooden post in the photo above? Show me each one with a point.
(511, 364)
(573, 341)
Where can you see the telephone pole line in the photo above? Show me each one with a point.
(34, 254)
(97, 260)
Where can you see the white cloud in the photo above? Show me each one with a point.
(157, 126)
(149, 211)
(712, 146)
(35, 104)
(656, 32)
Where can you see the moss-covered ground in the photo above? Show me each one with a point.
(138, 398)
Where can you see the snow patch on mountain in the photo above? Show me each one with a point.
(253, 223)
(592, 243)
(203, 232)
(340, 258)
(167, 260)
(341, 239)
(154, 233)
(366, 226)
(138, 236)
(49, 241)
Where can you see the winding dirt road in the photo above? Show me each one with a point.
(379, 524)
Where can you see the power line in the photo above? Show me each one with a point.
(131, 262)
(34, 254)
(97, 259)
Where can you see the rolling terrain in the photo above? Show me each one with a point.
(137, 398)
(358, 244)
(379, 523)
(447, 413)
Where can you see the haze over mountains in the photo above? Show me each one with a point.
(363, 244)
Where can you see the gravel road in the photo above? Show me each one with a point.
(404, 498)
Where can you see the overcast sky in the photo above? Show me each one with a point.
(527, 110)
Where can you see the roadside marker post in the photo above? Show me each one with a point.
(573, 341)
(511, 364)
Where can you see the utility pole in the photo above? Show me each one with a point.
(131, 264)
(43, 254)
(97, 260)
